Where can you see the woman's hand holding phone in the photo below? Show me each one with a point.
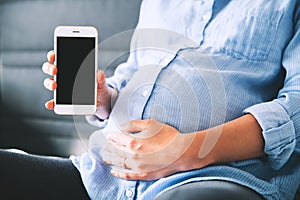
(106, 96)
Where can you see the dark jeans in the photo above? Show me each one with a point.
(39, 177)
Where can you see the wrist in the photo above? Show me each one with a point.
(191, 159)
(113, 93)
(106, 103)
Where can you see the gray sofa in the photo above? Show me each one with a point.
(26, 35)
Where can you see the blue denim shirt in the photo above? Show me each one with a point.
(195, 64)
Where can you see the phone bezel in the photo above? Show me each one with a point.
(76, 31)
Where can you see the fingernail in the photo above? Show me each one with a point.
(113, 172)
(47, 105)
(52, 69)
(49, 55)
(101, 77)
(54, 85)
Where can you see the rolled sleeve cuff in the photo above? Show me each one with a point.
(111, 82)
(117, 82)
(278, 131)
(96, 121)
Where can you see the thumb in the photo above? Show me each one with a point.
(133, 126)
(101, 81)
(103, 97)
(140, 125)
(149, 127)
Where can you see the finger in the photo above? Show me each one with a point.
(118, 139)
(49, 68)
(108, 158)
(134, 126)
(50, 84)
(102, 88)
(50, 104)
(148, 128)
(130, 174)
(101, 77)
(125, 141)
(112, 147)
(113, 159)
(51, 56)
(146, 176)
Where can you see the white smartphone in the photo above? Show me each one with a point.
(76, 51)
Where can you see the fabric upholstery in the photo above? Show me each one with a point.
(26, 35)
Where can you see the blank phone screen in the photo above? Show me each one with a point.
(76, 70)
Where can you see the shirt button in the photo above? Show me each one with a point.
(205, 17)
(201, 2)
(145, 93)
(129, 193)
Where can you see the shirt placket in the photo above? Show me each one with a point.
(141, 85)
(138, 89)
(129, 190)
(203, 10)
(195, 35)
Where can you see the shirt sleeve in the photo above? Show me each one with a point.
(123, 73)
(280, 118)
(118, 81)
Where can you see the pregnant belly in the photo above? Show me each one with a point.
(188, 103)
